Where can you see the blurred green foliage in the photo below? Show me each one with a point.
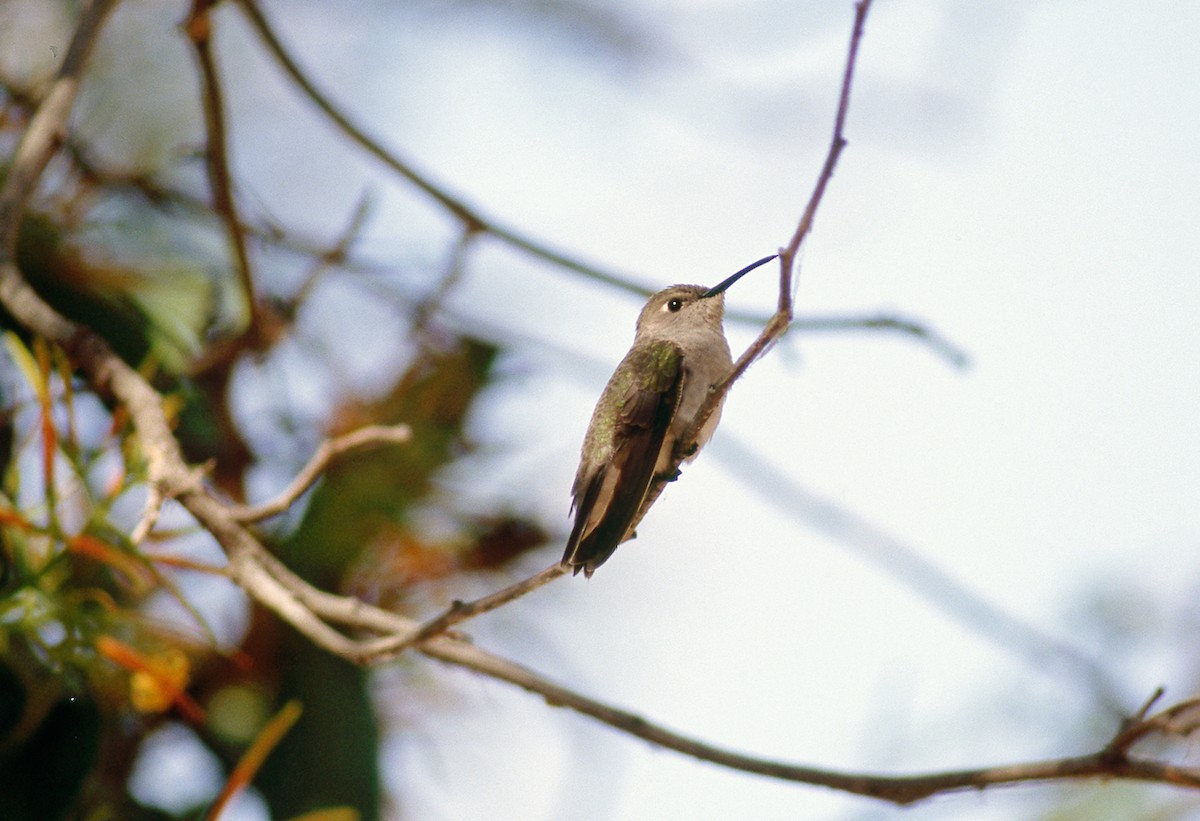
(88, 669)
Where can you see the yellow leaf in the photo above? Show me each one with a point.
(156, 687)
(330, 814)
(254, 757)
(23, 358)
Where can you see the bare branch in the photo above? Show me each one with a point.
(915, 330)
(47, 129)
(335, 255)
(329, 450)
(1110, 762)
(459, 612)
(198, 27)
(456, 267)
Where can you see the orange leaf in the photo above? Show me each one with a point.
(49, 434)
(184, 563)
(157, 682)
(138, 574)
(14, 519)
(268, 738)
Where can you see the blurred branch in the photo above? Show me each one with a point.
(471, 218)
(198, 28)
(336, 255)
(475, 221)
(933, 584)
(956, 356)
(329, 450)
(165, 198)
(456, 267)
(47, 128)
(457, 613)
(252, 760)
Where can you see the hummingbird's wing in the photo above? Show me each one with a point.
(608, 495)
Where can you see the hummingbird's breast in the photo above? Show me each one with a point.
(705, 362)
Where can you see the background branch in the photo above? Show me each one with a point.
(329, 450)
(909, 567)
(476, 221)
(166, 197)
(216, 155)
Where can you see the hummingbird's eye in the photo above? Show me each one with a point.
(674, 305)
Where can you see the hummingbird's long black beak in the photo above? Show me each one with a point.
(716, 289)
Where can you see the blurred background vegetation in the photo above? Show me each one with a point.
(111, 647)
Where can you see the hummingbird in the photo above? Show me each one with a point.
(679, 352)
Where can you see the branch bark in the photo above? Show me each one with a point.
(329, 450)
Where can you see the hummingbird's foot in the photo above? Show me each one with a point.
(668, 477)
(688, 451)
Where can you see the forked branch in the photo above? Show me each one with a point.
(329, 450)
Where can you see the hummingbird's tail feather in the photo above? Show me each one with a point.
(600, 522)
(608, 501)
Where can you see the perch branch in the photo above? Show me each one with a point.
(458, 612)
(779, 322)
(1112, 761)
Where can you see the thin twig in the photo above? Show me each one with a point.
(335, 255)
(329, 450)
(150, 513)
(954, 355)
(198, 27)
(459, 612)
(456, 267)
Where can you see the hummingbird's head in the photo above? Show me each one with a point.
(681, 309)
